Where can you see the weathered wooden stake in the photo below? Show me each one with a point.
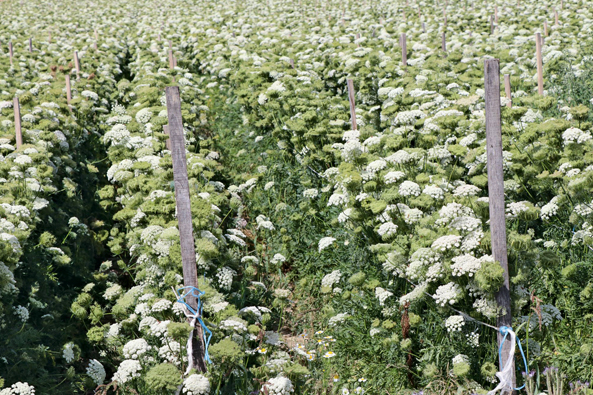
(546, 28)
(10, 51)
(491, 24)
(444, 44)
(68, 89)
(496, 195)
(556, 18)
(352, 103)
(496, 14)
(540, 66)
(49, 37)
(30, 45)
(17, 122)
(77, 64)
(171, 61)
(168, 141)
(96, 35)
(292, 63)
(186, 234)
(507, 89)
(423, 27)
(404, 50)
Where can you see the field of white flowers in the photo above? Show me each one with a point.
(334, 259)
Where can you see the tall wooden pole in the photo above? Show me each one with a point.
(352, 103)
(17, 122)
(10, 52)
(171, 61)
(168, 141)
(186, 233)
(496, 195)
(30, 45)
(507, 89)
(540, 65)
(444, 44)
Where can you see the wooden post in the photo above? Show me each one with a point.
(352, 103)
(546, 28)
(507, 89)
(540, 66)
(556, 18)
(77, 64)
(168, 141)
(17, 122)
(68, 89)
(496, 14)
(30, 45)
(496, 195)
(186, 233)
(171, 61)
(423, 27)
(491, 24)
(292, 63)
(96, 35)
(10, 52)
(444, 44)
(404, 50)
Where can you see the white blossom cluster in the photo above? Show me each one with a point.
(19, 388)
(447, 294)
(279, 385)
(548, 211)
(134, 349)
(96, 371)
(382, 294)
(575, 135)
(196, 384)
(455, 323)
(225, 277)
(325, 242)
(127, 370)
(329, 280)
(68, 352)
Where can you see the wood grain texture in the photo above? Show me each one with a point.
(17, 122)
(182, 197)
(540, 65)
(30, 45)
(171, 61)
(496, 192)
(444, 43)
(351, 99)
(168, 141)
(507, 89)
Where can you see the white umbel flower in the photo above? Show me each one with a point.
(409, 188)
(127, 370)
(454, 323)
(96, 371)
(325, 242)
(447, 294)
(196, 384)
(278, 386)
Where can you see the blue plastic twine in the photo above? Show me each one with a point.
(504, 330)
(196, 293)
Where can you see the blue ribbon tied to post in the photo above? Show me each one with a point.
(195, 314)
(506, 374)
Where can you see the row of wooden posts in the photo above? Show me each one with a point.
(495, 192)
